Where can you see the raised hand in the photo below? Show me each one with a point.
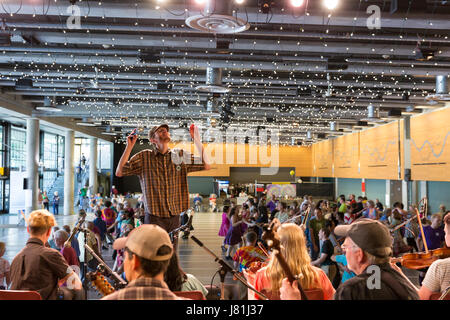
(195, 135)
(132, 138)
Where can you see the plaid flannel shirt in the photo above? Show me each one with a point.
(144, 289)
(163, 179)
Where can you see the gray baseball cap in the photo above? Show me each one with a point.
(369, 235)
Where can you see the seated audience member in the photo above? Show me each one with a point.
(434, 234)
(74, 243)
(282, 213)
(177, 280)
(68, 252)
(37, 267)
(379, 205)
(148, 250)
(324, 261)
(249, 253)
(349, 217)
(386, 217)
(371, 212)
(51, 242)
(368, 249)
(293, 247)
(341, 260)
(5, 275)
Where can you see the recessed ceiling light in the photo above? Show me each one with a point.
(48, 108)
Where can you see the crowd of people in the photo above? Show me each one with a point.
(332, 249)
(315, 248)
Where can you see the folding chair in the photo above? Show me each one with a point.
(19, 295)
(194, 295)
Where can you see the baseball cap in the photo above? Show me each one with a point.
(155, 128)
(145, 241)
(370, 235)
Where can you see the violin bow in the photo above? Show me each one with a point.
(421, 231)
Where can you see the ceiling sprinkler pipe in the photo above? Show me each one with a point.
(442, 85)
(371, 111)
(214, 76)
(333, 126)
(308, 135)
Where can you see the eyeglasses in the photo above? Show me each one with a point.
(344, 247)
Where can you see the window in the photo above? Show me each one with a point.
(50, 153)
(18, 142)
(104, 156)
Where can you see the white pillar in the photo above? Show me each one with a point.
(387, 199)
(336, 187)
(93, 184)
(423, 189)
(406, 161)
(31, 195)
(69, 172)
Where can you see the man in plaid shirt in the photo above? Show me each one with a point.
(162, 174)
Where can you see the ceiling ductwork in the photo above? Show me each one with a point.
(442, 89)
(217, 17)
(213, 82)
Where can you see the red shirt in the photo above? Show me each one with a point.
(109, 216)
(70, 255)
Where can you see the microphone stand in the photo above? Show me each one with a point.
(224, 268)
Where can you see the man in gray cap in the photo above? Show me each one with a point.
(162, 174)
(368, 248)
(148, 250)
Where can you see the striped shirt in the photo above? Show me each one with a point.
(437, 278)
(144, 289)
(163, 179)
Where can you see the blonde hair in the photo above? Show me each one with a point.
(293, 248)
(40, 221)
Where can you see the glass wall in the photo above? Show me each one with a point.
(52, 157)
(81, 148)
(104, 155)
(18, 146)
(4, 183)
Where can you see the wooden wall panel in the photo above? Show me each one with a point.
(379, 152)
(430, 146)
(323, 159)
(224, 156)
(346, 156)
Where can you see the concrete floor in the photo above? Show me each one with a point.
(193, 258)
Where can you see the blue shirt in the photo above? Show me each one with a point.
(101, 225)
(343, 260)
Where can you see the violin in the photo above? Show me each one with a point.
(422, 260)
(274, 243)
